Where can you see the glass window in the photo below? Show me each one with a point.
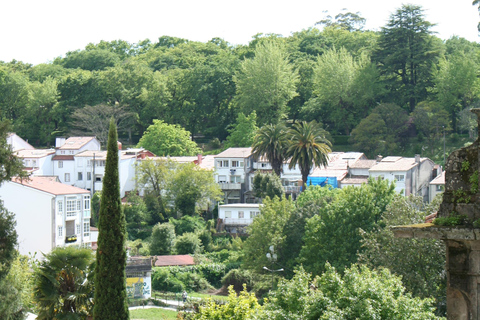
(86, 229)
(34, 163)
(67, 177)
(60, 207)
(79, 231)
(60, 164)
(240, 214)
(235, 164)
(235, 179)
(80, 176)
(79, 205)
(400, 177)
(89, 176)
(60, 231)
(71, 207)
(86, 202)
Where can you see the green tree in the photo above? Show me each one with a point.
(371, 136)
(266, 83)
(406, 55)
(456, 84)
(136, 217)
(192, 189)
(431, 119)
(271, 142)
(63, 284)
(420, 262)
(267, 185)
(333, 234)
(307, 148)
(267, 229)
(168, 140)
(188, 243)
(110, 280)
(16, 290)
(163, 238)
(360, 293)
(185, 224)
(8, 238)
(243, 132)
(344, 20)
(314, 194)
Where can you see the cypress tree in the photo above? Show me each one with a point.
(110, 279)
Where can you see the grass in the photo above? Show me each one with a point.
(153, 314)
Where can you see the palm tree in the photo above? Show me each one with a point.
(308, 147)
(271, 142)
(63, 285)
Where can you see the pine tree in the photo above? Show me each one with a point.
(110, 280)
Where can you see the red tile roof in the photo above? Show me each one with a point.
(50, 185)
(62, 158)
(75, 143)
(176, 260)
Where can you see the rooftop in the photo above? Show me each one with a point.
(235, 153)
(396, 164)
(49, 184)
(34, 153)
(75, 143)
(440, 179)
(173, 260)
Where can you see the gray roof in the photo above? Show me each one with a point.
(235, 153)
(396, 164)
(363, 164)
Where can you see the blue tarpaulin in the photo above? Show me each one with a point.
(322, 181)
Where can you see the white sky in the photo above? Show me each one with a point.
(37, 31)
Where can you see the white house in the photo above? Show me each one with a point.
(17, 143)
(64, 162)
(37, 161)
(235, 217)
(411, 175)
(437, 185)
(48, 213)
(233, 168)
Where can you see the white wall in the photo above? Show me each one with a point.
(33, 213)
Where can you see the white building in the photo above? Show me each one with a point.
(234, 218)
(48, 213)
(233, 168)
(437, 185)
(64, 159)
(17, 143)
(37, 161)
(411, 175)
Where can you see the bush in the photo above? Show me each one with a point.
(205, 237)
(163, 280)
(163, 237)
(188, 243)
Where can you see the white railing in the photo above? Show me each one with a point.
(291, 188)
(231, 221)
(230, 186)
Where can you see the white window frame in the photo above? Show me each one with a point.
(86, 202)
(235, 164)
(60, 232)
(60, 164)
(89, 176)
(241, 215)
(400, 177)
(60, 206)
(235, 179)
(71, 207)
(78, 229)
(67, 177)
(86, 229)
(80, 176)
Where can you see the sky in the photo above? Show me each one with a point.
(38, 31)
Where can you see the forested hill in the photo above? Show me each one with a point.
(379, 90)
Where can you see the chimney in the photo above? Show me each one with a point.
(199, 159)
(379, 158)
(417, 158)
(119, 145)
(59, 141)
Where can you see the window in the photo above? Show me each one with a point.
(71, 207)
(79, 230)
(89, 163)
(222, 179)
(228, 214)
(98, 178)
(60, 231)
(67, 177)
(34, 163)
(223, 164)
(100, 163)
(86, 229)
(235, 179)
(235, 164)
(60, 164)
(264, 165)
(62, 152)
(440, 187)
(400, 177)
(27, 163)
(89, 176)
(60, 207)
(80, 176)
(72, 152)
(86, 202)
(79, 205)
(241, 215)
(254, 213)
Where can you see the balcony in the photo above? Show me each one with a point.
(292, 189)
(71, 215)
(237, 222)
(230, 186)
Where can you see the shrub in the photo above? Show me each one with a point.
(188, 243)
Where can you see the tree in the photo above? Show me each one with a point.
(168, 140)
(344, 20)
(95, 120)
(110, 281)
(63, 284)
(188, 243)
(8, 239)
(163, 238)
(266, 83)
(137, 219)
(267, 185)
(333, 234)
(430, 120)
(371, 136)
(267, 229)
(360, 293)
(345, 86)
(271, 143)
(16, 290)
(420, 262)
(192, 189)
(185, 224)
(406, 55)
(243, 132)
(308, 147)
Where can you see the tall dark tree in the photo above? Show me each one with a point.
(110, 280)
(406, 53)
